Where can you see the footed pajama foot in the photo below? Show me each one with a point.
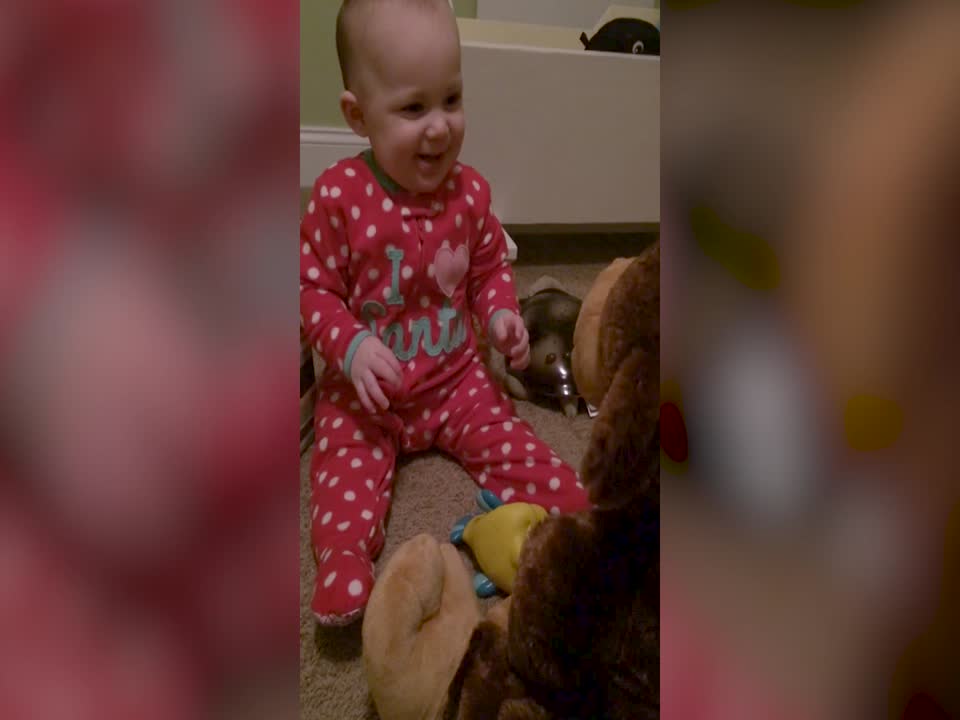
(343, 585)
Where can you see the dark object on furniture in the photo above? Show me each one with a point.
(625, 35)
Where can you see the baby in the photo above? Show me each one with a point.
(399, 249)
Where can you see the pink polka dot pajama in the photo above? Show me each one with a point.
(409, 269)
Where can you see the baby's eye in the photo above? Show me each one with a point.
(453, 100)
(413, 108)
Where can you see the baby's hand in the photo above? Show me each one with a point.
(371, 361)
(510, 337)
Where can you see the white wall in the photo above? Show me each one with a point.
(565, 137)
(581, 14)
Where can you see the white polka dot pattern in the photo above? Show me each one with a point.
(348, 260)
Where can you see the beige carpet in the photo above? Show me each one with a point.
(432, 491)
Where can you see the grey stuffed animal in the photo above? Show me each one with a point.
(550, 314)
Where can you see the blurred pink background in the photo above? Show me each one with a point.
(148, 370)
(811, 320)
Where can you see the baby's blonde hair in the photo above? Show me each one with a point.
(352, 12)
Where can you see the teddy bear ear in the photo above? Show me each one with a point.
(631, 315)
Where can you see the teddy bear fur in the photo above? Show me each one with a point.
(579, 637)
(585, 358)
(582, 638)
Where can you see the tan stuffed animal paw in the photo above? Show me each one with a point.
(416, 629)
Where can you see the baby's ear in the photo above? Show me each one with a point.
(353, 113)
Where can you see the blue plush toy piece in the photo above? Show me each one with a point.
(482, 585)
(488, 501)
(456, 535)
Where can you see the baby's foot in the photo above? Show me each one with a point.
(343, 585)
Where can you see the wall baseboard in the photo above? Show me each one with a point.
(321, 147)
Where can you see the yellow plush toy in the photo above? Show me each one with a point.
(496, 539)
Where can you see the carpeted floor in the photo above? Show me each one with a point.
(432, 491)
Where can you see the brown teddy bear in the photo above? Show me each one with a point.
(585, 356)
(579, 637)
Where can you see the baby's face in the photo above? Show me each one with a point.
(410, 91)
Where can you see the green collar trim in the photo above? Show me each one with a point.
(385, 182)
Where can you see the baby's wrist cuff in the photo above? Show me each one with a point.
(493, 319)
(352, 349)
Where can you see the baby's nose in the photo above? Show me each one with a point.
(437, 128)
